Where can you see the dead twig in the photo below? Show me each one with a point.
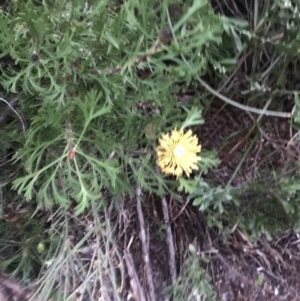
(145, 247)
(71, 147)
(134, 279)
(180, 212)
(170, 241)
(10, 106)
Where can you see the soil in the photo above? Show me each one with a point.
(240, 269)
(264, 271)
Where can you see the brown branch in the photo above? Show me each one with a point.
(170, 241)
(134, 279)
(10, 107)
(70, 143)
(145, 246)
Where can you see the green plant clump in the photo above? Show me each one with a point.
(87, 89)
(97, 83)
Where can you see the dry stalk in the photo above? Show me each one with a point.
(170, 241)
(145, 246)
(10, 106)
(134, 279)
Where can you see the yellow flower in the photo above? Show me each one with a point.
(177, 153)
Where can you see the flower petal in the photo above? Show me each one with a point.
(177, 153)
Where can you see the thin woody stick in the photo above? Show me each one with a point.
(70, 143)
(145, 246)
(10, 105)
(170, 241)
(134, 279)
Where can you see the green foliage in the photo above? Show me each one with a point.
(285, 15)
(18, 247)
(193, 283)
(91, 94)
(96, 83)
(217, 202)
(272, 205)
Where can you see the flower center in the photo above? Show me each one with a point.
(179, 151)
